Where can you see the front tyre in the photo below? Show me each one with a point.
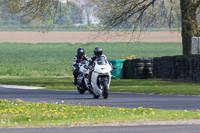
(105, 89)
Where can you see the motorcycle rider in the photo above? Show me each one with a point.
(98, 52)
(77, 59)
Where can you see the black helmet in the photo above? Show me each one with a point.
(80, 52)
(98, 51)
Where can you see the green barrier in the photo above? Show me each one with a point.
(117, 72)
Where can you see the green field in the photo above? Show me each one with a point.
(72, 28)
(56, 59)
(57, 28)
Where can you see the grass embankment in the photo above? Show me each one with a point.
(128, 86)
(56, 59)
(15, 114)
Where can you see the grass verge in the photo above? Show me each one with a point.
(128, 86)
(24, 114)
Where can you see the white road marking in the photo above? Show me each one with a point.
(20, 87)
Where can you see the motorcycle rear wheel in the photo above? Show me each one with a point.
(89, 90)
(80, 91)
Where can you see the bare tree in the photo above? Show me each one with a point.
(33, 9)
(46, 10)
(87, 7)
(146, 13)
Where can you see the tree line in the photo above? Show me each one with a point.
(67, 15)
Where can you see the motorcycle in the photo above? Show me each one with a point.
(82, 80)
(101, 77)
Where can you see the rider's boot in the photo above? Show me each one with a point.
(90, 89)
(75, 73)
(89, 80)
(75, 82)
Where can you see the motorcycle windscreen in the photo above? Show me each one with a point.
(85, 62)
(101, 61)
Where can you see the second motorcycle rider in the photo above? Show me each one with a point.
(77, 59)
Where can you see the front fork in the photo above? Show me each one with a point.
(101, 80)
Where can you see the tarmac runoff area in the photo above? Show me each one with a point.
(20, 87)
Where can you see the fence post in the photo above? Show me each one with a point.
(195, 45)
(198, 52)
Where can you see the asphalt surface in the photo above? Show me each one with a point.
(171, 102)
(127, 129)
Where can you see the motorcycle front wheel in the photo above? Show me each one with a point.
(105, 89)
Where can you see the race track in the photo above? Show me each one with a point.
(171, 102)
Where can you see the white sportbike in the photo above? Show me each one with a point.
(101, 77)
